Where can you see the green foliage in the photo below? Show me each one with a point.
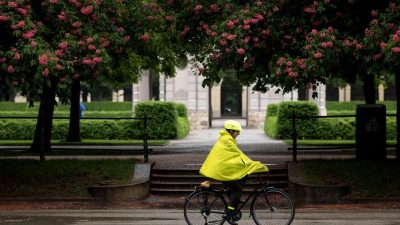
(272, 109)
(183, 127)
(270, 126)
(303, 126)
(11, 129)
(163, 120)
(182, 110)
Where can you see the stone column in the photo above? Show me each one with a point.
(141, 91)
(381, 91)
(321, 99)
(19, 98)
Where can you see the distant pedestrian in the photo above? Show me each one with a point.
(82, 109)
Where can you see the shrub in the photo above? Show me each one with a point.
(164, 122)
(306, 128)
(272, 109)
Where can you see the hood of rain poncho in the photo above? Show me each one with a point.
(227, 162)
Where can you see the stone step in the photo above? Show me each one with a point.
(183, 180)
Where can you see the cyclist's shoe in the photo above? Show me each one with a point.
(231, 220)
(231, 217)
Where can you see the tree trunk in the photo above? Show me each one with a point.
(74, 126)
(397, 74)
(369, 89)
(42, 138)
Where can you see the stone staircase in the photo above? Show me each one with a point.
(182, 181)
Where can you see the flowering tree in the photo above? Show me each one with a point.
(48, 47)
(291, 44)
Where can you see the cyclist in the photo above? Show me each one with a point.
(227, 163)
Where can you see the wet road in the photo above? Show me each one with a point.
(175, 217)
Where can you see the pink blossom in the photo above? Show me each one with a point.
(12, 4)
(329, 44)
(92, 47)
(87, 10)
(61, 16)
(214, 8)
(98, 52)
(230, 24)
(310, 10)
(289, 63)
(374, 13)
(87, 62)
(59, 53)
(256, 39)
(63, 78)
(223, 42)
(228, 50)
(293, 74)
(197, 8)
(105, 44)
(75, 76)
(53, 1)
(231, 37)
(330, 30)
(23, 12)
(265, 32)
(145, 38)
(347, 43)
(377, 57)
(59, 67)
(29, 34)
(169, 18)
(359, 46)
(392, 6)
(89, 40)
(323, 44)
(17, 56)
(63, 45)
(396, 49)
(396, 37)
(43, 59)
(33, 44)
(322, 35)
(10, 69)
(383, 45)
(240, 51)
(20, 24)
(97, 59)
(4, 18)
(280, 61)
(77, 24)
(288, 69)
(246, 27)
(3, 60)
(45, 72)
(314, 32)
(318, 55)
(127, 38)
(120, 29)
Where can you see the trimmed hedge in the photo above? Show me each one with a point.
(322, 128)
(164, 123)
(305, 127)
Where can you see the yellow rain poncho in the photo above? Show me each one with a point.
(227, 162)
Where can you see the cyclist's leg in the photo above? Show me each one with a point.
(235, 191)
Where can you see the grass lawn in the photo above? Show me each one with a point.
(59, 178)
(367, 179)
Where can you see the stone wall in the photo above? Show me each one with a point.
(256, 120)
(198, 120)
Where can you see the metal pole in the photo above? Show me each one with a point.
(294, 136)
(145, 146)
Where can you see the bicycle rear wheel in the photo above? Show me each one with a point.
(272, 207)
(204, 207)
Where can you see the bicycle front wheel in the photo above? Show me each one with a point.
(204, 207)
(272, 207)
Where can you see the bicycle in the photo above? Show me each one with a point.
(270, 205)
